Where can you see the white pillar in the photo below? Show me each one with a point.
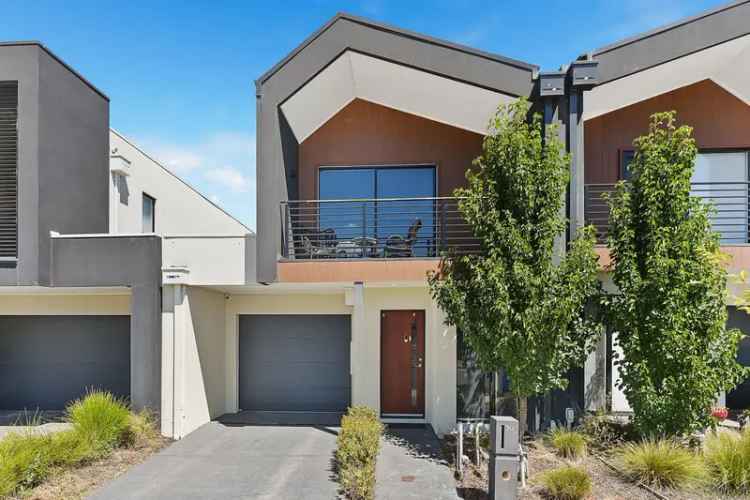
(173, 348)
(232, 361)
(167, 361)
(355, 297)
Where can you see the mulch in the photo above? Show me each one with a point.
(607, 483)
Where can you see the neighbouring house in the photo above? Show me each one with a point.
(116, 274)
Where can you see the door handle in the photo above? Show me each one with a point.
(407, 339)
(420, 362)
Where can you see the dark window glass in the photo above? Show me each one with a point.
(474, 387)
(347, 220)
(149, 214)
(625, 158)
(383, 221)
(396, 217)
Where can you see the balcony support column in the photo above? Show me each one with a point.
(575, 146)
(552, 91)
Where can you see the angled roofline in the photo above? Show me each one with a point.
(661, 29)
(54, 56)
(397, 31)
(180, 179)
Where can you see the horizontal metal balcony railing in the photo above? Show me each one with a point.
(730, 200)
(374, 228)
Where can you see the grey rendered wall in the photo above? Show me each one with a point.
(73, 157)
(48, 361)
(63, 136)
(133, 261)
(21, 63)
(275, 142)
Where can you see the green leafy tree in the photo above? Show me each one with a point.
(670, 311)
(520, 307)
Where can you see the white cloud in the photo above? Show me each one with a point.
(178, 160)
(222, 164)
(219, 149)
(229, 178)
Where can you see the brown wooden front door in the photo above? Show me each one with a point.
(402, 341)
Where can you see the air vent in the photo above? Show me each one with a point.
(8, 170)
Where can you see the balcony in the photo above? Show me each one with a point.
(730, 201)
(383, 228)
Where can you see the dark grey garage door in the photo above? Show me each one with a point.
(294, 362)
(47, 361)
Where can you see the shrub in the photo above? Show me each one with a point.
(358, 446)
(662, 463)
(24, 461)
(567, 483)
(102, 419)
(568, 444)
(604, 432)
(143, 429)
(100, 423)
(727, 457)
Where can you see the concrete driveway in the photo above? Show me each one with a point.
(232, 461)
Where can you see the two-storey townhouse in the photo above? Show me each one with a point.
(363, 132)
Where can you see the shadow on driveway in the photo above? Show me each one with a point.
(411, 466)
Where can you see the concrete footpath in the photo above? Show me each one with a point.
(411, 466)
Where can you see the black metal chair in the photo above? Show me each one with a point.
(399, 246)
(319, 245)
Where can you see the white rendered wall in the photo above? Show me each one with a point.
(78, 304)
(212, 260)
(193, 358)
(179, 208)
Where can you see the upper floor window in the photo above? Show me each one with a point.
(403, 214)
(721, 178)
(149, 214)
(8, 170)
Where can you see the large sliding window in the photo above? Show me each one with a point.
(8, 171)
(721, 178)
(385, 206)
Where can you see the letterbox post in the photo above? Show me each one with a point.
(504, 458)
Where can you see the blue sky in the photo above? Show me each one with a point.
(180, 74)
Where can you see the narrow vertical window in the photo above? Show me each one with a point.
(149, 214)
(8, 170)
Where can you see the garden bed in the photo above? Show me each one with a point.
(606, 483)
(100, 439)
(80, 482)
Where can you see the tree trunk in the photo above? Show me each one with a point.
(522, 410)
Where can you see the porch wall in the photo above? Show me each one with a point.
(193, 358)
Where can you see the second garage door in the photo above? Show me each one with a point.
(294, 362)
(48, 361)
